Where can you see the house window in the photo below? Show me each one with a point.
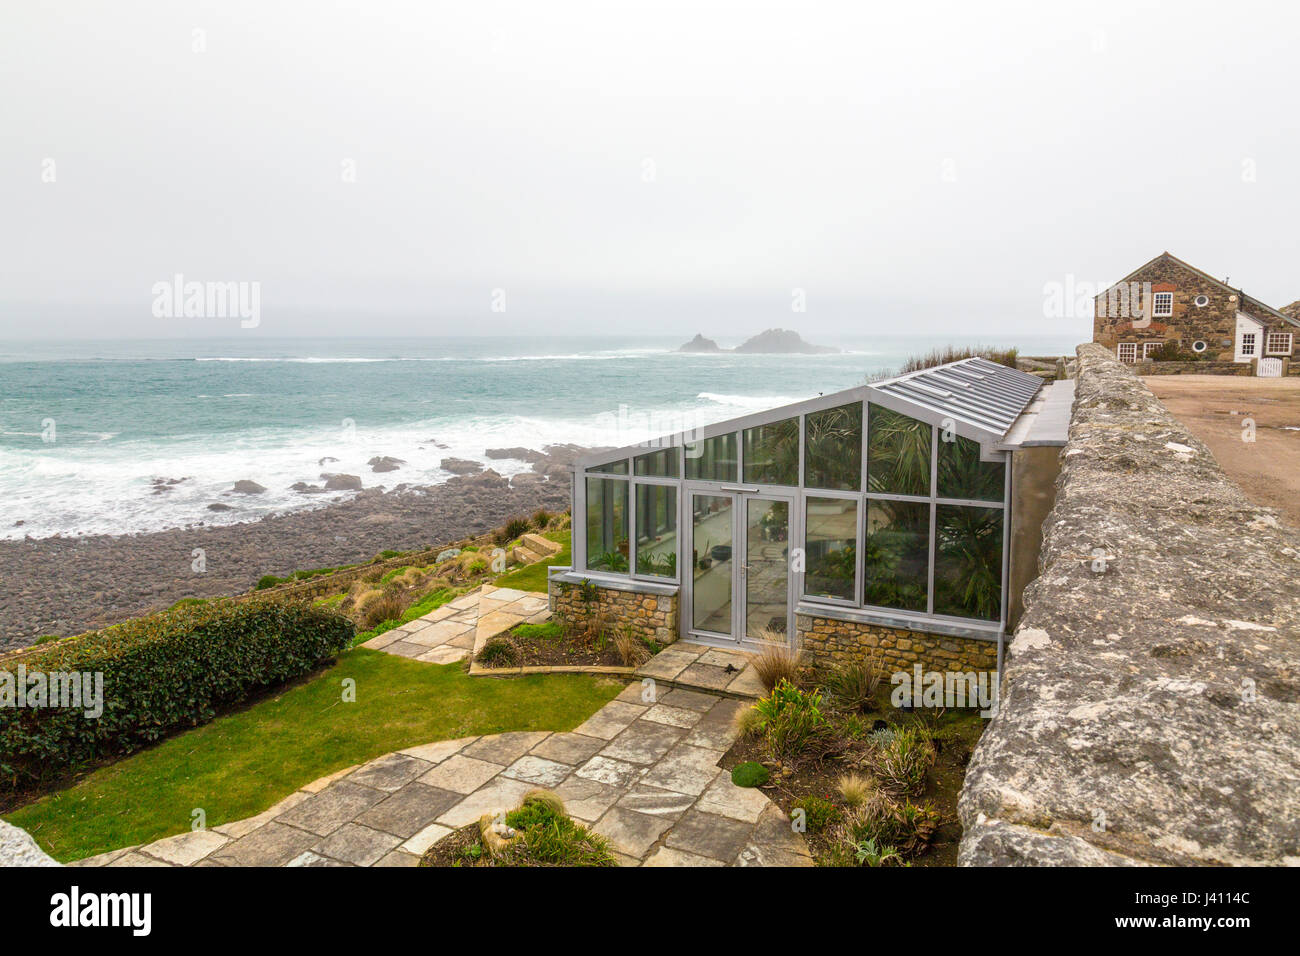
(1163, 304)
(1278, 343)
(1247, 343)
(1202, 301)
(1128, 352)
(1149, 347)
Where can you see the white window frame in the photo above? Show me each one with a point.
(1156, 300)
(1149, 347)
(1268, 343)
(1248, 344)
(1131, 348)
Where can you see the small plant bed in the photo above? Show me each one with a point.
(560, 643)
(871, 784)
(539, 832)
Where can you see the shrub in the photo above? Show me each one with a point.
(267, 581)
(818, 813)
(855, 789)
(792, 721)
(498, 652)
(749, 774)
(852, 687)
(541, 518)
(162, 673)
(776, 662)
(511, 529)
(902, 758)
(868, 854)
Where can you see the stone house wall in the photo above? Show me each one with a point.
(1215, 323)
(1195, 368)
(830, 641)
(650, 615)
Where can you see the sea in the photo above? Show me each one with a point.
(89, 430)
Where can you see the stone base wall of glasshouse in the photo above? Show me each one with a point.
(831, 641)
(649, 613)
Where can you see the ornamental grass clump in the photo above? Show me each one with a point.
(902, 758)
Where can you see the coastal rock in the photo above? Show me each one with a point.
(322, 461)
(385, 463)
(460, 466)
(17, 848)
(517, 453)
(700, 344)
(218, 506)
(341, 482)
(781, 342)
(246, 487)
(305, 489)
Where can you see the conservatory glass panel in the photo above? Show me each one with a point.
(606, 524)
(658, 464)
(898, 453)
(656, 530)
(833, 457)
(896, 554)
(613, 468)
(767, 568)
(711, 573)
(968, 562)
(712, 459)
(772, 453)
(963, 475)
(831, 533)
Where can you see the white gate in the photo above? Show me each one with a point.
(1269, 368)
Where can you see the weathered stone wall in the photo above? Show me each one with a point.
(652, 616)
(1194, 368)
(829, 641)
(1150, 706)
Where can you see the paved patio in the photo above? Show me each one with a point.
(459, 629)
(644, 773)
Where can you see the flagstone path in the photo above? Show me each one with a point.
(642, 772)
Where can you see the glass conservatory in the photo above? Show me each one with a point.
(888, 503)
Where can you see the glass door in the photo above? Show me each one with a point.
(766, 570)
(740, 568)
(713, 564)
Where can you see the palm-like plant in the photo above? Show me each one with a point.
(898, 459)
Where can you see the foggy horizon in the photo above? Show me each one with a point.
(385, 169)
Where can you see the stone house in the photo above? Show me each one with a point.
(1169, 301)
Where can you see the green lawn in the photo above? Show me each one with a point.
(533, 576)
(243, 763)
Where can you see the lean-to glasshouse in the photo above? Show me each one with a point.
(895, 521)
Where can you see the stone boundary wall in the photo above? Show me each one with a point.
(652, 616)
(1150, 706)
(830, 641)
(1208, 367)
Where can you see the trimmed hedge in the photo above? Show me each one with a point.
(162, 673)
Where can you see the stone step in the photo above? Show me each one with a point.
(540, 545)
(524, 555)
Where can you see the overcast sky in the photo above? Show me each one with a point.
(656, 166)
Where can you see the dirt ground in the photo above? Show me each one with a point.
(1213, 408)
